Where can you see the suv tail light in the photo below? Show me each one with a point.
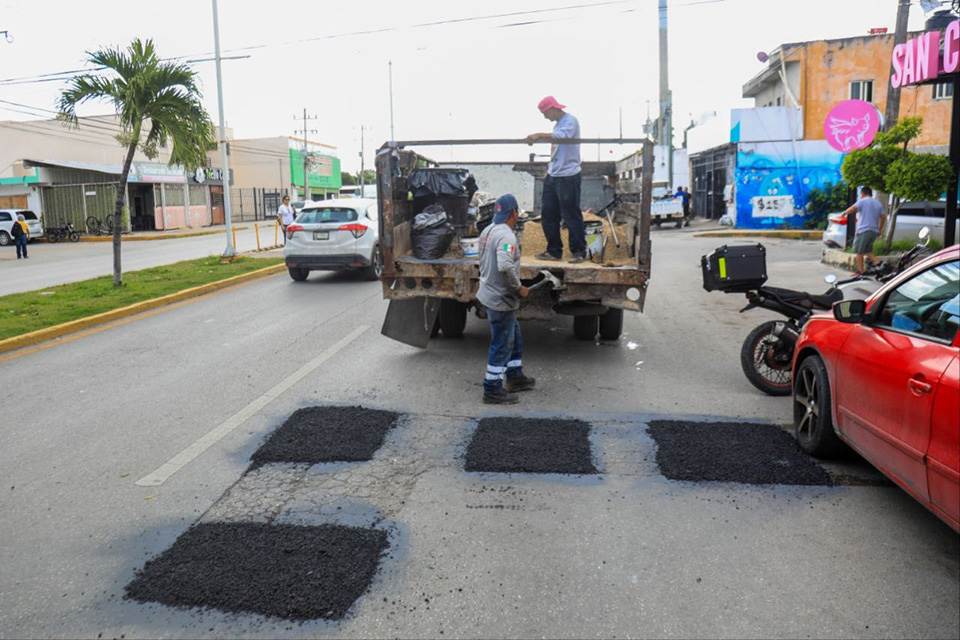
(840, 218)
(356, 229)
(292, 229)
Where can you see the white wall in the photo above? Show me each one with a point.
(498, 179)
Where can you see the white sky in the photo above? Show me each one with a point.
(472, 79)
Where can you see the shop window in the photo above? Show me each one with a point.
(943, 90)
(861, 90)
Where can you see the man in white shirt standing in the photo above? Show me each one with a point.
(561, 189)
(285, 215)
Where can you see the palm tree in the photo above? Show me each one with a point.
(148, 94)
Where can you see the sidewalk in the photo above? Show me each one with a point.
(174, 234)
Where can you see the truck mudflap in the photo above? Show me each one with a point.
(411, 320)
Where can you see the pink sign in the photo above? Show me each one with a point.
(918, 60)
(851, 125)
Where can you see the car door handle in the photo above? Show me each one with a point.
(919, 387)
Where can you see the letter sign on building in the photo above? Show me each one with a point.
(918, 59)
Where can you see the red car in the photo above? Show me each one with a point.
(883, 376)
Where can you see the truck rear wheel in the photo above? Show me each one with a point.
(611, 324)
(453, 318)
(585, 327)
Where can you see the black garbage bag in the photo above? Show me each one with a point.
(437, 182)
(431, 234)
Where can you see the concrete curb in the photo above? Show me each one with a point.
(793, 234)
(848, 261)
(59, 330)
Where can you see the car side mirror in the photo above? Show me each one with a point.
(850, 311)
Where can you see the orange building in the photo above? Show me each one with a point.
(821, 73)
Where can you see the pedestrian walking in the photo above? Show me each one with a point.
(685, 196)
(21, 235)
(561, 188)
(500, 292)
(285, 215)
(869, 213)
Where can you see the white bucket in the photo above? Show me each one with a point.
(470, 246)
(595, 240)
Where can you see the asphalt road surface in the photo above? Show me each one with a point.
(180, 399)
(53, 264)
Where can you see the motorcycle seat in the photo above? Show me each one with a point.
(824, 301)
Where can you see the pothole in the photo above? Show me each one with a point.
(732, 452)
(530, 445)
(327, 434)
(285, 571)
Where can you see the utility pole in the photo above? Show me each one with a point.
(666, 108)
(306, 156)
(361, 161)
(893, 94)
(230, 251)
(390, 66)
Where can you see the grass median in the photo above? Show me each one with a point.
(22, 313)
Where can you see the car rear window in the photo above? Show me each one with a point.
(911, 209)
(327, 214)
(27, 215)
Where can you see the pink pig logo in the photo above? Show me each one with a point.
(851, 125)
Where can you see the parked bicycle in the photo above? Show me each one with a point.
(56, 234)
(100, 226)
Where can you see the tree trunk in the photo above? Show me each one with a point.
(118, 213)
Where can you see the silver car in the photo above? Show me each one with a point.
(333, 235)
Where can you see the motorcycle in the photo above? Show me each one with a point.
(56, 234)
(766, 355)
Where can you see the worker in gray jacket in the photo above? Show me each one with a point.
(500, 292)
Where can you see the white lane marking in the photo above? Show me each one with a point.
(186, 456)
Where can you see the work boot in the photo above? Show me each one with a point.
(546, 256)
(577, 258)
(500, 397)
(519, 383)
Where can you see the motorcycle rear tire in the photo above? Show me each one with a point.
(74, 236)
(783, 385)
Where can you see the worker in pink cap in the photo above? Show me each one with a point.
(561, 189)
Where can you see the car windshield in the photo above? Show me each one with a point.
(327, 214)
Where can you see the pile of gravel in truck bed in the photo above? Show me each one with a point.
(286, 571)
(530, 445)
(327, 434)
(732, 452)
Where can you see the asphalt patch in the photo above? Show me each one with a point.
(285, 571)
(732, 452)
(530, 445)
(327, 434)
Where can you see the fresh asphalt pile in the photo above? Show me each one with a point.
(327, 434)
(530, 445)
(285, 571)
(732, 452)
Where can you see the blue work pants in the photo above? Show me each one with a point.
(506, 349)
(561, 199)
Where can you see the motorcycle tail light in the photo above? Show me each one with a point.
(356, 229)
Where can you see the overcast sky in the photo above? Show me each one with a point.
(463, 79)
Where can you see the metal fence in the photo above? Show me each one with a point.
(255, 204)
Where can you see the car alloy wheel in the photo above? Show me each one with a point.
(812, 420)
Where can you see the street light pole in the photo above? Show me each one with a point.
(230, 251)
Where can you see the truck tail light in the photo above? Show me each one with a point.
(292, 229)
(356, 229)
(840, 218)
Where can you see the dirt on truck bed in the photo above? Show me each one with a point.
(534, 242)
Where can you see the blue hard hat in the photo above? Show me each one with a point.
(504, 207)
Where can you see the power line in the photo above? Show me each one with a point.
(65, 75)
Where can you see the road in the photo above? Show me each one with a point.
(622, 553)
(53, 264)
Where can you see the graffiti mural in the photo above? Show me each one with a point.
(772, 190)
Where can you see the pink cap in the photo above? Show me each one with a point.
(550, 103)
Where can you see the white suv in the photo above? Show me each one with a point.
(9, 216)
(332, 235)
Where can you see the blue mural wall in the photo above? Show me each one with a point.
(769, 192)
